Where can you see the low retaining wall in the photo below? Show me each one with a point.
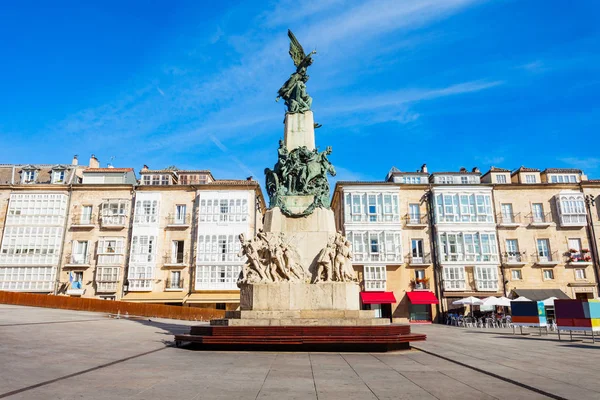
(110, 306)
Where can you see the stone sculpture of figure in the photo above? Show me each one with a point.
(253, 263)
(325, 263)
(348, 273)
(294, 270)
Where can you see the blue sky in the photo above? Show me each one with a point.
(193, 83)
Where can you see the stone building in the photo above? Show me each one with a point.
(387, 224)
(542, 232)
(465, 245)
(34, 206)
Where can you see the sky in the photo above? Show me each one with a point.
(449, 83)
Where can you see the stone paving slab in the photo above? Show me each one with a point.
(59, 354)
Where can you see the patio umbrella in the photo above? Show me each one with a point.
(504, 301)
(472, 301)
(549, 302)
(521, 298)
(490, 301)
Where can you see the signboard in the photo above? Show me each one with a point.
(528, 313)
(577, 315)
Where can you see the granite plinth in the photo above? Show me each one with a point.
(299, 131)
(286, 296)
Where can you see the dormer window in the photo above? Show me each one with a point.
(58, 176)
(28, 175)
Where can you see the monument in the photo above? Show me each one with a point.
(297, 284)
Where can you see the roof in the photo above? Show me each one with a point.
(88, 170)
(456, 173)
(232, 182)
(158, 171)
(341, 183)
(540, 294)
(562, 170)
(524, 169)
(496, 169)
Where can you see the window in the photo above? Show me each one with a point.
(86, 215)
(572, 209)
(445, 180)
(143, 249)
(464, 180)
(548, 274)
(177, 255)
(507, 213)
(414, 213)
(375, 277)
(467, 246)
(512, 250)
(175, 280)
(543, 248)
(223, 210)
(530, 178)
(221, 306)
(223, 248)
(417, 251)
(420, 282)
(215, 277)
(146, 211)
(454, 207)
(28, 176)
(454, 277)
(110, 250)
(141, 277)
(563, 178)
(580, 274)
(76, 279)
(500, 178)
(376, 245)
(180, 214)
(27, 278)
(575, 249)
(80, 252)
(537, 212)
(516, 275)
(58, 176)
(107, 278)
(486, 278)
(113, 212)
(156, 179)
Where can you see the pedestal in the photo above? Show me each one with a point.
(299, 130)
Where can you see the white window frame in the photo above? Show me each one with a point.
(501, 178)
(58, 176)
(375, 277)
(29, 176)
(516, 275)
(454, 277)
(580, 274)
(486, 278)
(548, 274)
(217, 277)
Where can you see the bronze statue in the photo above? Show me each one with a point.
(293, 91)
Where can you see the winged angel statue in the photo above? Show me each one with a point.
(293, 91)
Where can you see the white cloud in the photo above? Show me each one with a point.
(587, 163)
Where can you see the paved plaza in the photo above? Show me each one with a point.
(58, 354)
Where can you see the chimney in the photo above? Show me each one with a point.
(94, 163)
(249, 178)
(424, 168)
(463, 169)
(109, 165)
(75, 160)
(145, 168)
(476, 170)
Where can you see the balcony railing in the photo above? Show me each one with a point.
(419, 260)
(420, 284)
(547, 258)
(83, 220)
(78, 259)
(508, 219)
(416, 220)
(514, 258)
(174, 284)
(579, 258)
(168, 259)
(182, 221)
(112, 221)
(543, 219)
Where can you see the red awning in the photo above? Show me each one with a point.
(422, 297)
(377, 297)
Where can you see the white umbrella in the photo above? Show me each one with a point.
(490, 301)
(473, 301)
(549, 302)
(504, 301)
(521, 298)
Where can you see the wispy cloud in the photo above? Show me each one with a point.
(586, 163)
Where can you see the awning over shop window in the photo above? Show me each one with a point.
(377, 297)
(539, 294)
(422, 297)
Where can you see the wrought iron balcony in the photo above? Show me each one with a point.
(514, 258)
(83, 221)
(416, 220)
(575, 258)
(419, 260)
(508, 220)
(544, 219)
(76, 260)
(547, 259)
(420, 284)
(174, 284)
(171, 260)
(178, 221)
